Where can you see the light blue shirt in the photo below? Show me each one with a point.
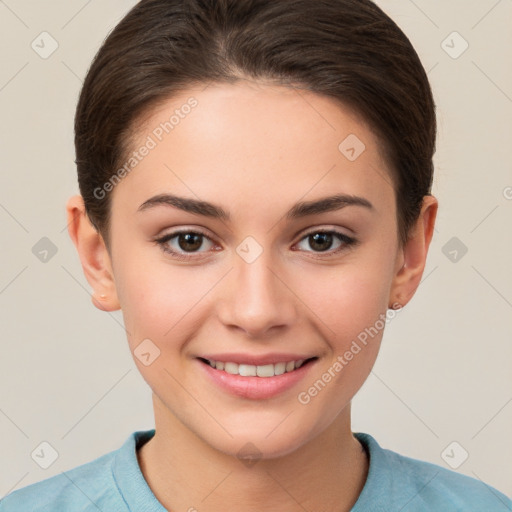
(115, 483)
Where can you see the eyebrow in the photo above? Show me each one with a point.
(299, 210)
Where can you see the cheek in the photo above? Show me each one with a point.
(351, 301)
(147, 295)
(348, 298)
(160, 301)
(351, 304)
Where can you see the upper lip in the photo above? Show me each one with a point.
(256, 360)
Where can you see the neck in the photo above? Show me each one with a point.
(185, 473)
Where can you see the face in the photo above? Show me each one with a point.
(265, 275)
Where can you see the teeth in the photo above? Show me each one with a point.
(231, 368)
(249, 370)
(279, 368)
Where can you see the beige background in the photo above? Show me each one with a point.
(444, 373)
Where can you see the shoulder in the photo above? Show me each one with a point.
(83, 488)
(414, 485)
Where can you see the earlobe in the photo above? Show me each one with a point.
(93, 254)
(413, 256)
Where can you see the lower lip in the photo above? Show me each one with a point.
(255, 388)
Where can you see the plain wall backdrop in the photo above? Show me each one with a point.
(442, 386)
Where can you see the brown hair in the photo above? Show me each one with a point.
(348, 50)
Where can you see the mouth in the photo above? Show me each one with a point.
(263, 371)
(261, 381)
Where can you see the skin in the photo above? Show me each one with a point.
(255, 149)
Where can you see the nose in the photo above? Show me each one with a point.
(257, 299)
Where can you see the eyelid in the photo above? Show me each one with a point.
(347, 241)
(185, 229)
(162, 241)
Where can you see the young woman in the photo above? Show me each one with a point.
(255, 181)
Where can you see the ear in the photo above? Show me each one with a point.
(93, 255)
(413, 255)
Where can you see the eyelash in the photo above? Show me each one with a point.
(346, 243)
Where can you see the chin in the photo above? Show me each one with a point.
(254, 442)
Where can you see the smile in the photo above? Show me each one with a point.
(249, 370)
(256, 377)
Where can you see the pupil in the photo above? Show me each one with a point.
(192, 241)
(319, 239)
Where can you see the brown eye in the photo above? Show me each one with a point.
(190, 241)
(184, 244)
(322, 241)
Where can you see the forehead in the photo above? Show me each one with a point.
(247, 144)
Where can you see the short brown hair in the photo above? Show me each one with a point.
(348, 50)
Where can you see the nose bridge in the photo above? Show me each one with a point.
(257, 298)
